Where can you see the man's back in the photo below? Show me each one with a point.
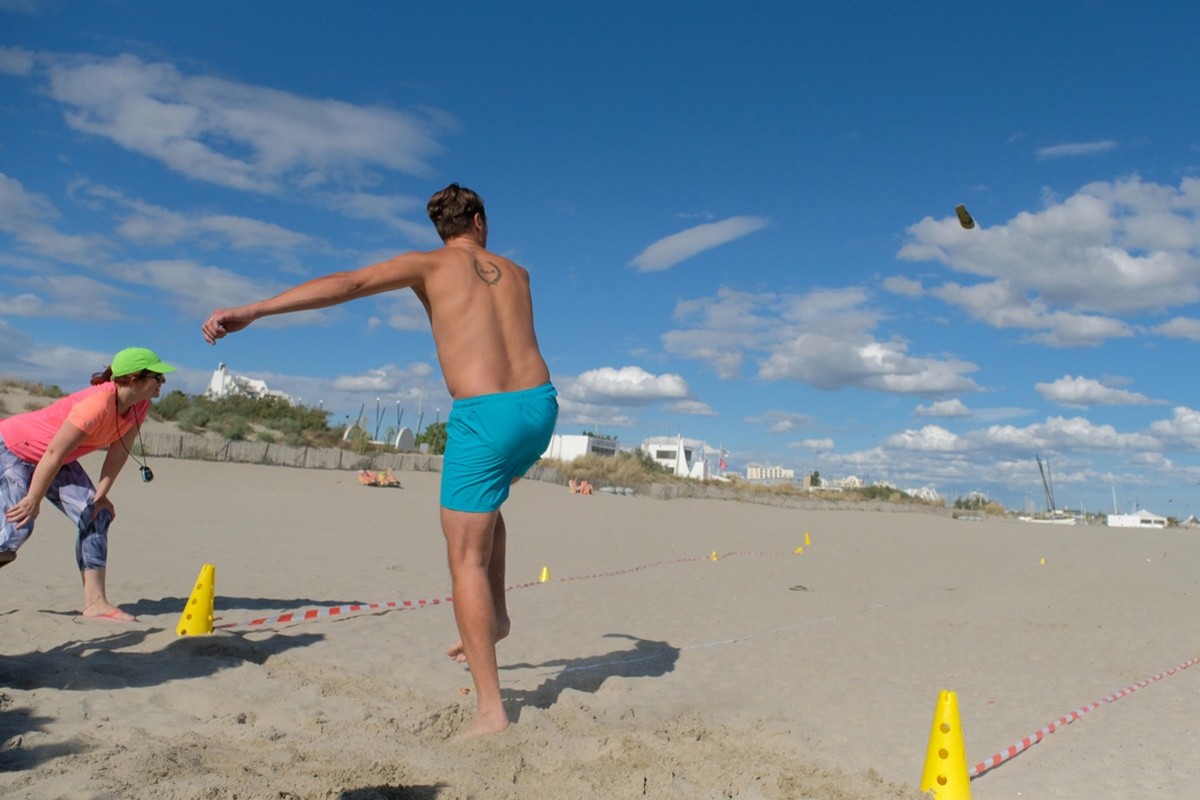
(481, 314)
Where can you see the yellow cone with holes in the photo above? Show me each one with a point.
(197, 617)
(945, 774)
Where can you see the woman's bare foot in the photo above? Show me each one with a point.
(455, 651)
(102, 609)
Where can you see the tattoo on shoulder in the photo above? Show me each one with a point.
(489, 273)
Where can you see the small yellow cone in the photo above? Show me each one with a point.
(197, 617)
(799, 550)
(807, 541)
(714, 555)
(1043, 562)
(545, 576)
(945, 772)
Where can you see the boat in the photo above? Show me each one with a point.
(1052, 515)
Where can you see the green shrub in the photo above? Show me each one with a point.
(232, 426)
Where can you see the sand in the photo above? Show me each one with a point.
(642, 668)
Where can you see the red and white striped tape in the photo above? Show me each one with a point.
(1042, 733)
(328, 612)
(333, 612)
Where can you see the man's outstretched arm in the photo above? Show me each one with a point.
(398, 272)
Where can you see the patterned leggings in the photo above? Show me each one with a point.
(71, 492)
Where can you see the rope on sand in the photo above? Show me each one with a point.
(1067, 719)
(329, 612)
(335, 612)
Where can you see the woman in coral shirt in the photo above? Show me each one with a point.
(39, 459)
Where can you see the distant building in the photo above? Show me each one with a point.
(684, 457)
(925, 493)
(760, 473)
(223, 384)
(842, 484)
(568, 447)
(1138, 519)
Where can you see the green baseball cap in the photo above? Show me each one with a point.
(136, 359)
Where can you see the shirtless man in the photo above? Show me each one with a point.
(481, 314)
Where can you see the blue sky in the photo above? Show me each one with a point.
(739, 218)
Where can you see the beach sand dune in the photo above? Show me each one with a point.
(643, 668)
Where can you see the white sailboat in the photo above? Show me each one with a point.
(1052, 515)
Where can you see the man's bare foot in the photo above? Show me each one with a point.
(456, 652)
(485, 724)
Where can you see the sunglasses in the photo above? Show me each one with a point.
(157, 376)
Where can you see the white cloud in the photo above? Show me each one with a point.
(944, 408)
(815, 445)
(778, 421)
(821, 338)
(1180, 328)
(404, 311)
(391, 210)
(1081, 392)
(1182, 429)
(905, 287)
(1059, 433)
(15, 61)
(27, 215)
(197, 289)
(1076, 149)
(144, 223)
(1067, 272)
(625, 386)
(23, 356)
(931, 438)
(235, 134)
(74, 297)
(693, 408)
(669, 251)
(388, 380)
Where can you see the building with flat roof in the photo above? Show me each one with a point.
(765, 473)
(567, 447)
(1138, 519)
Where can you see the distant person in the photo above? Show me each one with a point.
(39, 459)
(504, 411)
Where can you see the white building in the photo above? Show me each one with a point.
(1138, 519)
(684, 457)
(568, 447)
(841, 484)
(768, 474)
(926, 493)
(223, 384)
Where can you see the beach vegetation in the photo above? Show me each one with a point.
(41, 391)
(625, 468)
(245, 417)
(435, 436)
(34, 388)
(979, 502)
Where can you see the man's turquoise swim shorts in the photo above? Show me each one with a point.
(492, 439)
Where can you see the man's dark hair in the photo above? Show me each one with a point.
(453, 211)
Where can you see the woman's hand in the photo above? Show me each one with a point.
(23, 512)
(103, 504)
